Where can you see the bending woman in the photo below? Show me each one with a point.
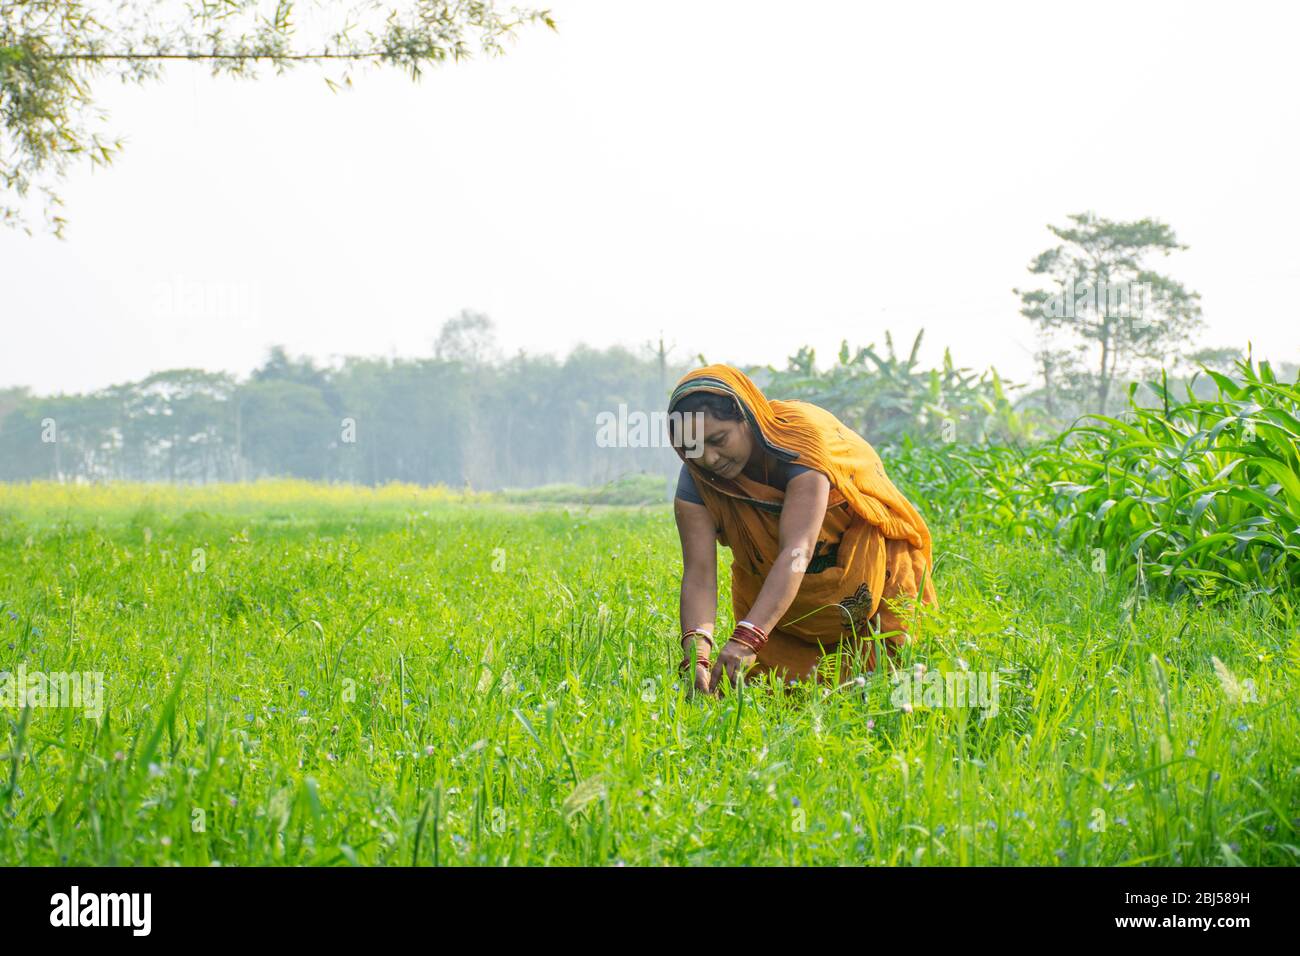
(822, 542)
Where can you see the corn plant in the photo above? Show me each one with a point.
(1204, 493)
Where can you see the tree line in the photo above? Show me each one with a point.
(467, 417)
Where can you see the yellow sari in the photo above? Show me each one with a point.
(879, 543)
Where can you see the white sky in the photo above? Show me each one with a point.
(746, 176)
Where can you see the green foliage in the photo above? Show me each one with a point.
(884, 398)
(1199, 495)
(1202, 493)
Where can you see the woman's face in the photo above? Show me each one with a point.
(726, 446)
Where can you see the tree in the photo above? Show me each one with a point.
(1107, 299)
(469, 338)
(52, 52)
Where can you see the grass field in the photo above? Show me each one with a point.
(297, 675)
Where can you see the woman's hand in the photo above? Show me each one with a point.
(735, 659)
(703, 647)
(702, 680)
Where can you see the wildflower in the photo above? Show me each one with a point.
(430, 750)
(166, 841)
(940, 830)
(302, 713)
(1060, 854)
(155, 770)
(303, 692)
(871, 724)
(1121, 821)
(1019, 814)
(795, 801)
(118, 755)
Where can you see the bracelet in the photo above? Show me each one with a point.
(699, 632)
(751, 635)
(699, 658)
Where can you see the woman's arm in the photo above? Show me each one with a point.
(699, 600)
(699, 603)
(801, 524)
(802, 515)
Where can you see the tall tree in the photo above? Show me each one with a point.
(53, 51)
(1103, 295)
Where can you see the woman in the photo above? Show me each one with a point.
(822, 541)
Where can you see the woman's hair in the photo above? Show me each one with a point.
(722, 407)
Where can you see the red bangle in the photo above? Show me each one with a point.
(699, 659)
(751, 635)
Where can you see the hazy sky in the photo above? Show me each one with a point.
(746, 176)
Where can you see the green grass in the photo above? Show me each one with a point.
(474, 684)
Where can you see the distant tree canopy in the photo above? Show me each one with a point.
(52, 52)
(454, 420)
(467, 416)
